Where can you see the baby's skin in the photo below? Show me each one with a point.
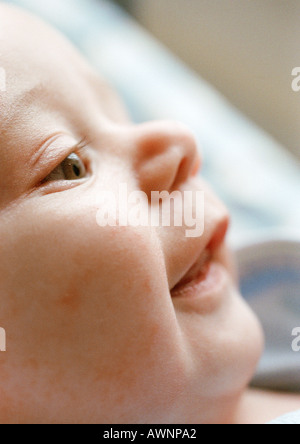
(96, 330)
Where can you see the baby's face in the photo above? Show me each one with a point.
(95, 331)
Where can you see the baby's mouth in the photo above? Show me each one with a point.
(196, 274)
(207, 276)
(206, 273)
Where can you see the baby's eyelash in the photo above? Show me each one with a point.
(80, 147)
(78, 150)
(81, 150)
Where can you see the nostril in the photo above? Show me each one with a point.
(166, 155)
(160, 172)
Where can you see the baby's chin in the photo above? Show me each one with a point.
(225, 343)
(247, 338)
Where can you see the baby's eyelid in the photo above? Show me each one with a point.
(74, 165)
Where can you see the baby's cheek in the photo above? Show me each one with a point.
(92, 306)
(143, 380)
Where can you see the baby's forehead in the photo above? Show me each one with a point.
(32, 53)
(48, 82)
(39, 64)
(21, 28)
(45, 79)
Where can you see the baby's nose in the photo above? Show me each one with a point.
(164, 155)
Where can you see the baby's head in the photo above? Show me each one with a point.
(105, 324)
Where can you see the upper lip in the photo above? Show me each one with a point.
(207, 252)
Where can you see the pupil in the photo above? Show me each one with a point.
(76, 170)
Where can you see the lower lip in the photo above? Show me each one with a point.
(209, 285)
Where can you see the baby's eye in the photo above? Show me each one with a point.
(72, 168)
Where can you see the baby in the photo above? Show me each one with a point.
(112, 324)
